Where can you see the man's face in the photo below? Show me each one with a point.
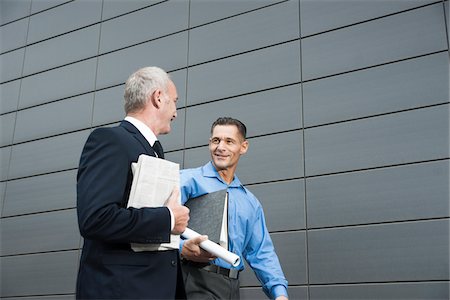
(226, 145)
(168, 107)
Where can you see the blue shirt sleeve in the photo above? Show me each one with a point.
(185, 186)
(279, 290)
(260, 255)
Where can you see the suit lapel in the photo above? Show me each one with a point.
(137, 135)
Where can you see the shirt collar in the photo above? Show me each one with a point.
(210, 171)
(143, 129)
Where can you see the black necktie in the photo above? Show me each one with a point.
(158, 149)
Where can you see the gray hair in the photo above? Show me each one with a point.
(141, 84)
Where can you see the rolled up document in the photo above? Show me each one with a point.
(214, 248)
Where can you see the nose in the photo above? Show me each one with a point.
(175, 114)
(221, 145)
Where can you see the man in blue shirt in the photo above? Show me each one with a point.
(207, 277)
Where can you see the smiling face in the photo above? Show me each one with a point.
(226, 146)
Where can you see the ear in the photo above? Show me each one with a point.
(244, 147)
(155, 98)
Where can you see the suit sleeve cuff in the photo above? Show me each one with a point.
(172, 219)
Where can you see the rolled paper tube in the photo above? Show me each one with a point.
(214, 248)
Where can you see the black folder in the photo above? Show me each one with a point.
(207, 213)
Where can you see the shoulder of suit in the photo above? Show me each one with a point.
(117, 131)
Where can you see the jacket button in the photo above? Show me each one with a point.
(174, 263)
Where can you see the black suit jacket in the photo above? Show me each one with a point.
(109, 269)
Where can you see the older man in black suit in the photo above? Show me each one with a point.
(109, 268)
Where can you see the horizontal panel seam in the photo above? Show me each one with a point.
(371, 19)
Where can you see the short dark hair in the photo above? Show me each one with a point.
(230, 121)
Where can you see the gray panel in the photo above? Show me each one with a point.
(291, 250)
(176, 157)
(13, 35)
(109, 103)
(175, 139)
(257, 111)
(64, 18)
(396, 37)
(58, 297)
(11, 63)
(5, 155)
(381, 253)
(334, 14)
(168, 53)
(382, 195)
(2, 196)
(283, 203)
(160, 20)
(108, 106)
(447, 14)
(40, 193)
(256, 29)
(389, 291)
(62, 50)
(40, 5)
(204, 11)
(252, 293)
(407, 84)
(11, 10)
(263, 162)
(196, 157)
(76, 113)
(113, 8)
(386, 140)
(59, 83)
(180, 79)
(39, 274)
(7, 123)
(47, 155)
(248, 278)
(9, 93)
(263, 69)
(295, 292)
(40, 232)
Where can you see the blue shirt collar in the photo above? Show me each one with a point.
(209, 170)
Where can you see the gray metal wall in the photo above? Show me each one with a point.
(347, 105)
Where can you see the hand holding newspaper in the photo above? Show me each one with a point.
(153, 181)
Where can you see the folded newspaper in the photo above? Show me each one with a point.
(153, 182)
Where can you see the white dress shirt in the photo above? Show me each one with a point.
(151, 139)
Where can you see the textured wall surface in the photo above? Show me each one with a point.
(346, 104)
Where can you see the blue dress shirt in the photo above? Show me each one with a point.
(248, 236)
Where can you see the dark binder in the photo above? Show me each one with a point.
(207, 213)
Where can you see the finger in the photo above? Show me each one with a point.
(175, 193)
(173, 198)
(200, 239)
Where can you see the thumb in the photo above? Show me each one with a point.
(200, 239)
(173, 198)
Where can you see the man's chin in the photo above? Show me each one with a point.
(219, 165)
(166, 131)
